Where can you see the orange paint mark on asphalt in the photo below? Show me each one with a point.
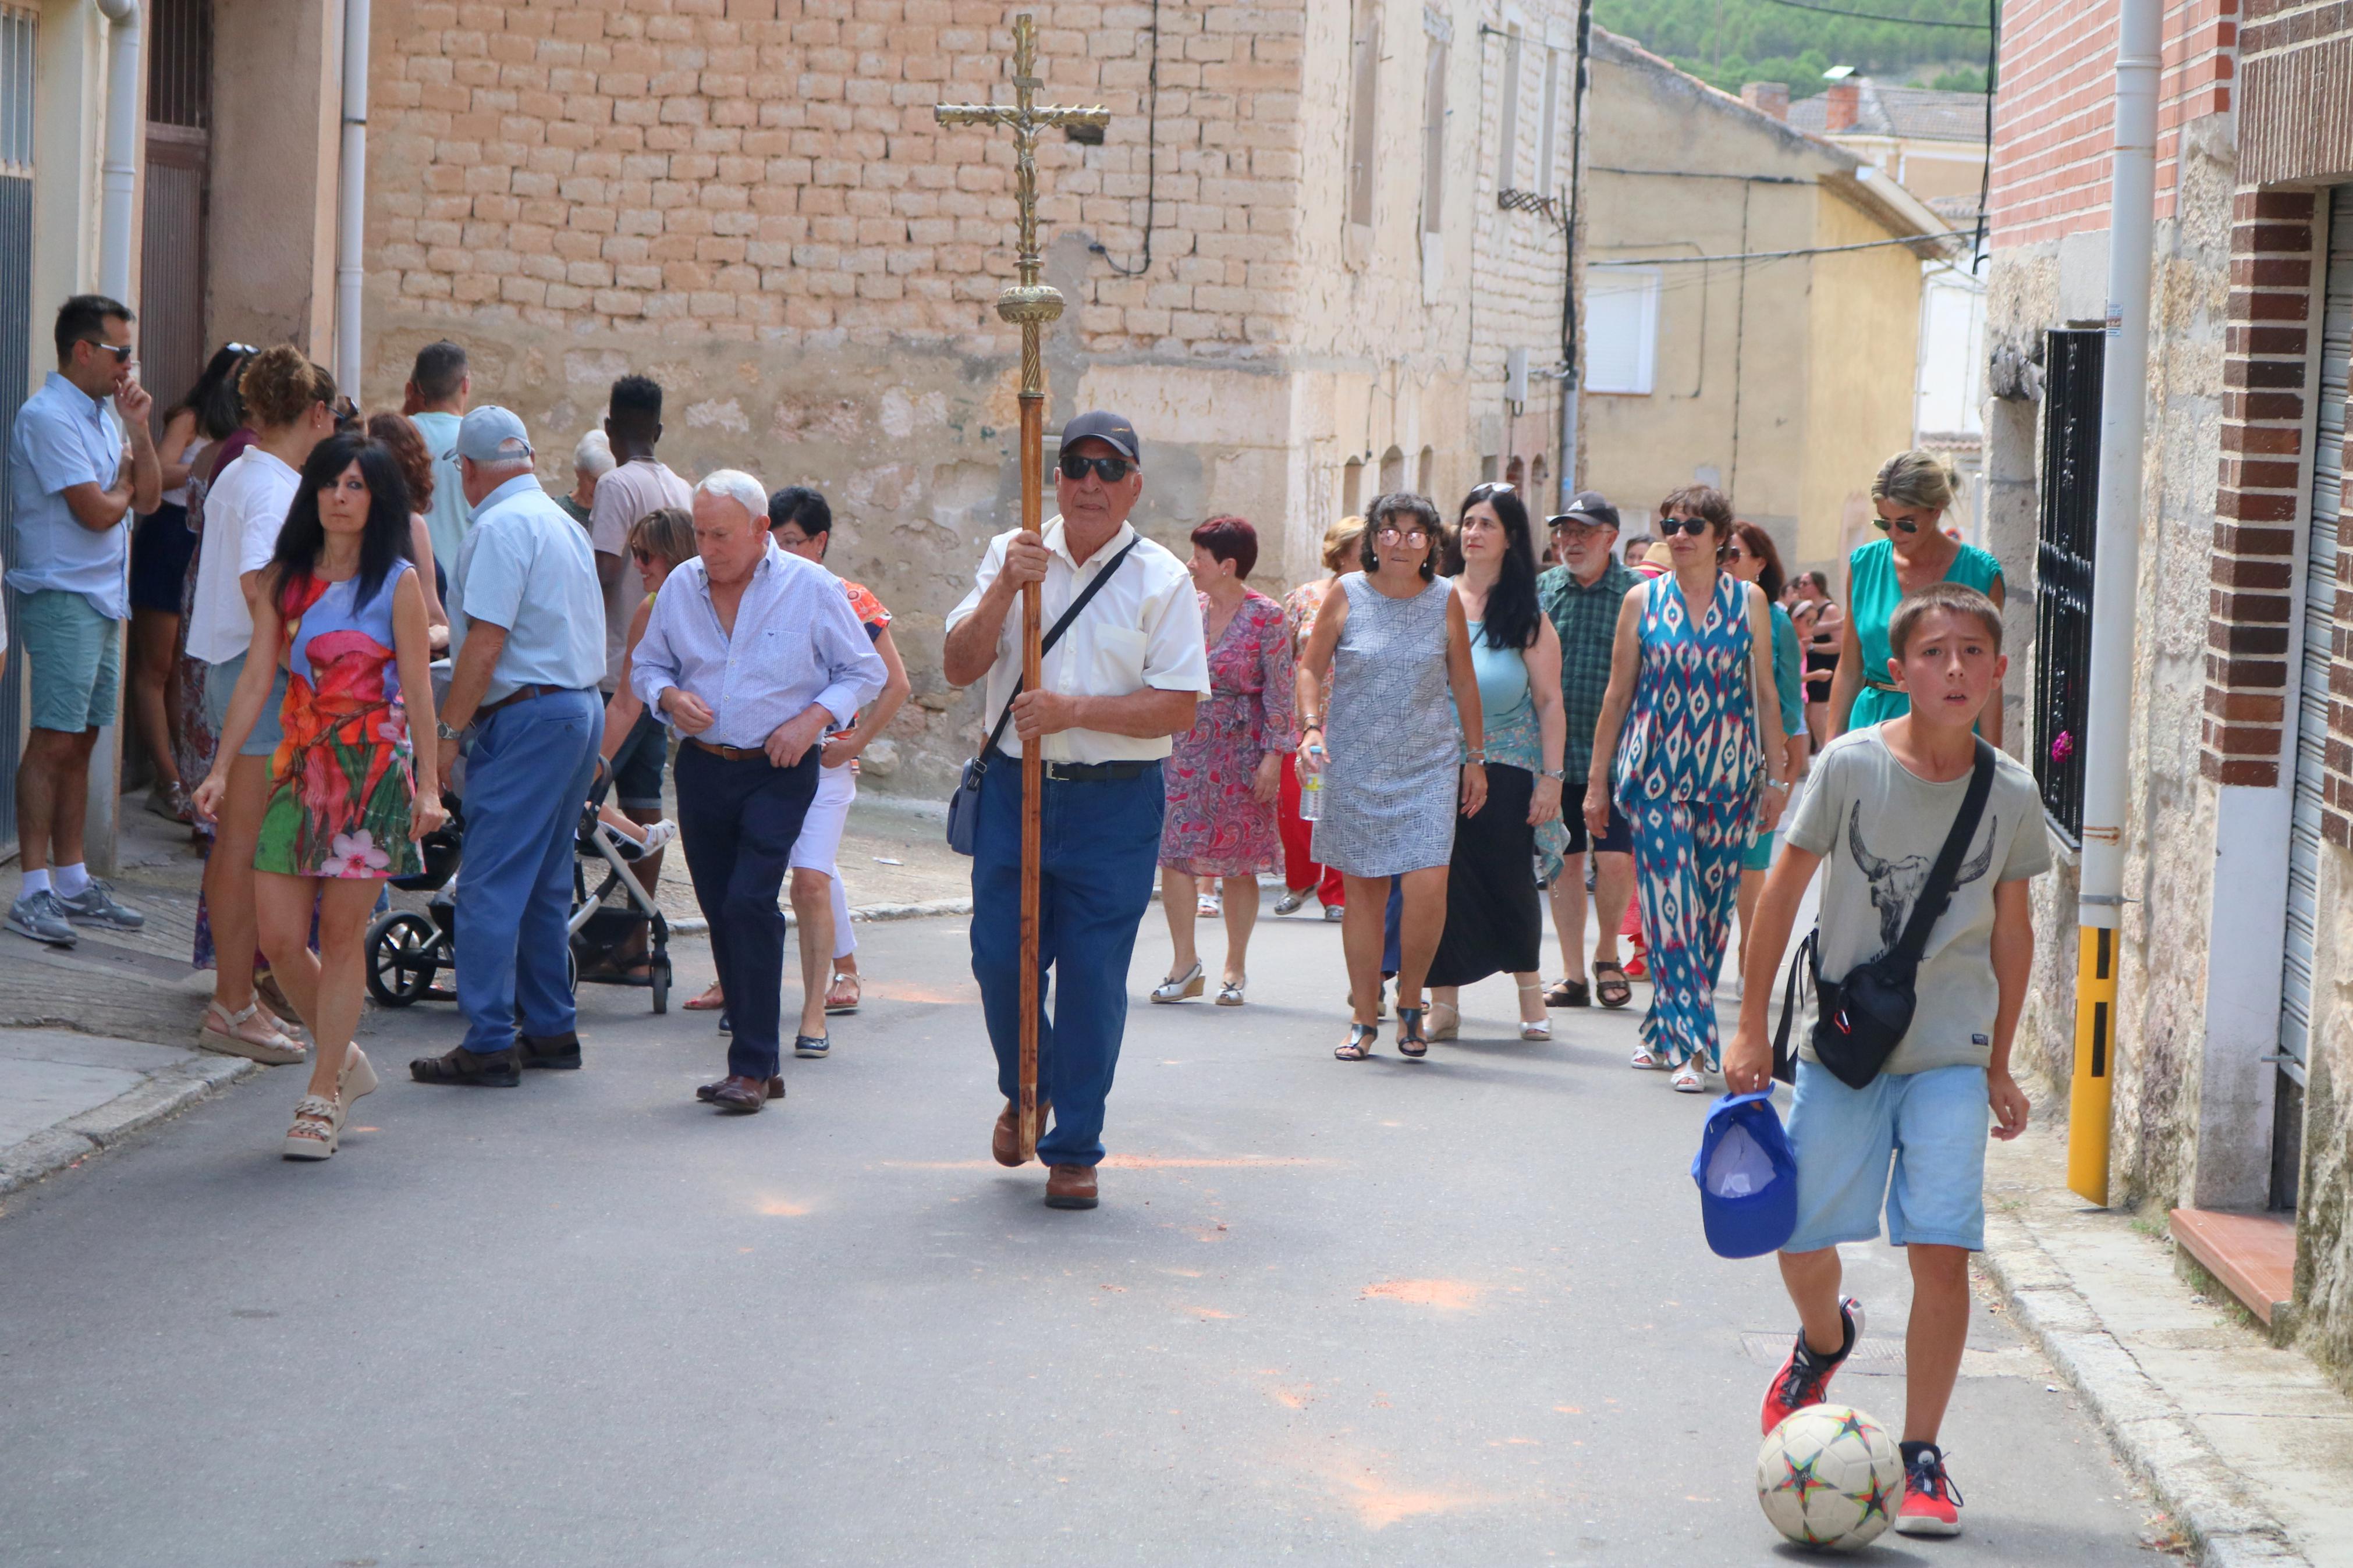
(1380, 1505)
(940, 995)
(363, 1128)
(1127, 1162)
(1568, 1410)
(1446, 1294)
(1208, 1312)
(780, 1208)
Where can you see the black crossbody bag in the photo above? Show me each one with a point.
(1864, 1016)
(964, 806)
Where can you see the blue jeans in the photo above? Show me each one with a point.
(526, 780)
(1101, 843)
(737, 821)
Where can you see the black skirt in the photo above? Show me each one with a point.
(1494, 920)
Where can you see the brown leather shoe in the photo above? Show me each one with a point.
(560, 1052)
(742, 1095)
(710, 1091)
(1005, 1143)
(1071, 1187)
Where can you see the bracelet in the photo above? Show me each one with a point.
(1477, 759)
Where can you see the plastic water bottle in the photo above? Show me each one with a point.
(1311, 786)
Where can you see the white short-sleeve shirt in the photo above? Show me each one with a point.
(1143, 630)
(244, 509)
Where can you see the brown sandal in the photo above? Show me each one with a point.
(1610, 985)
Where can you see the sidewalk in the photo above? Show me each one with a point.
(2248, 1447)
(97, 1041)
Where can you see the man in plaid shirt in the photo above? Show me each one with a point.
(1582, 597)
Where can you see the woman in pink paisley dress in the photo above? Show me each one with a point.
(1301, 874)
(1224, 774)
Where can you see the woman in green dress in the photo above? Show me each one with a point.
(1912, 492)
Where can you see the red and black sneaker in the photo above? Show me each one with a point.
(1805, 1378)
(1931, 1503)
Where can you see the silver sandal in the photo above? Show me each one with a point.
(318, 1125)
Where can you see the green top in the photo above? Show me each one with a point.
(1872, 592)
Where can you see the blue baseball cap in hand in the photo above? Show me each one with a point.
(1748, 1178)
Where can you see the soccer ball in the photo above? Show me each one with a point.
(1830, 1476)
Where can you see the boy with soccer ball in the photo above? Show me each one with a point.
(1882, 801)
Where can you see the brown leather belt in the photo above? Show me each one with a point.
(519, 694)
(729, 754)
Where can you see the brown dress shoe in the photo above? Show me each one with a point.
(1005, 1143)
(1071, 1187)
(742, 1095)
(710, 1091)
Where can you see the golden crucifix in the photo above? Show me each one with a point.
(1031, 305)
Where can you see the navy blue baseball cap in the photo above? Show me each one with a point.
(1748, 1178)
(1112, 429)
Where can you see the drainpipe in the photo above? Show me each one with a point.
(350, 199)
(119, 176)
(2115, 575)
(1572, 375)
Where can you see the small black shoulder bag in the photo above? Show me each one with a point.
(964, 806)
(1865, 1014)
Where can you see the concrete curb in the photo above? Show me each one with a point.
(695, 925)
(2150, 1431)
(161, 1094)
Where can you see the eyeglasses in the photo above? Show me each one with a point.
(240, 348)
(1392, 533)
(643, 556)
(122, 352)
(1885, 525)
(1690, 525)
(1110, 470)
(1491, 488)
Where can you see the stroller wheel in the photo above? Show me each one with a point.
(400, 958)
(657, 972)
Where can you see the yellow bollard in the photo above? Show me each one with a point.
(2087, 1106)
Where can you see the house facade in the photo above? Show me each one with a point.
(2232, 1102)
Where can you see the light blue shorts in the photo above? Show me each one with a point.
(221, 687)
(75, 655)
(1932, 1125)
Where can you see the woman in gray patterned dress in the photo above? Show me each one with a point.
(1396, 642)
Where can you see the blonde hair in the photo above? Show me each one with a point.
(1340, 542)
(667, 531)
(1914, 479)
(280, 383)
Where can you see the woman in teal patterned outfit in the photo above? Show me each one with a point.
(1680, 745)
(1912, 492)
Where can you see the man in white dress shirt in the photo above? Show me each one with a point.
(751, 654)
(1123, 678)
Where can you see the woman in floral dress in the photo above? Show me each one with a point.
(353, 784)
(1224, 774)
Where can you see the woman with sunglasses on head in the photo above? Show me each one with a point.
(1681, 747)
(1751, 556)
(1912, 492)
(1494, 915)
(1397, 765)
(352, 784)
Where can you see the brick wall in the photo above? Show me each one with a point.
(2298, 118)
(2055, 121)
(2250, 671)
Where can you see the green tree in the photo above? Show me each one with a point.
(1727, 42)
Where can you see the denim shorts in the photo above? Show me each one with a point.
(1933, 1126)
(220, 688)
(75, 652)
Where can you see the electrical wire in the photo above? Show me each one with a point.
(1985, 170)
(1151, 159)
(1765, 254)
(1874, 15)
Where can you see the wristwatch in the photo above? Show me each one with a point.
(1478, 757)
(1558, 775)
(441, 728)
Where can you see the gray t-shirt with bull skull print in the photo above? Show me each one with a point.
(1878, 826)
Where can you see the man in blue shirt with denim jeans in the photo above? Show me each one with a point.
(75, 488)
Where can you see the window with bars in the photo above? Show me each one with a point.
(18, 42)
(2070, 497)
(180, 64)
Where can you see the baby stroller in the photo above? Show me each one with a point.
(409, 952)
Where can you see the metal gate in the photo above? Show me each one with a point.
(2073, 367)
(2320, 587)
(18, 40)
(172, 342)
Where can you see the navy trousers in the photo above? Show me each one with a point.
(1101, 846)
(737, 821)
(527, 777)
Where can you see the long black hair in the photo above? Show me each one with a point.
(304, 538)
(1510, 621)
(213, 400)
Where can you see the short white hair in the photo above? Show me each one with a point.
(503, 466)
(739, 488)
(594, 454)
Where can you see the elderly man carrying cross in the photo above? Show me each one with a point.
(1124, 678)
(751, 654)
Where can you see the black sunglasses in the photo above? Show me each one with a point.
(1906, 524)
(1692, 525)
(122, 352)
(1110, 470)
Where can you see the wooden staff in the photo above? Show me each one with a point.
(1032, 305)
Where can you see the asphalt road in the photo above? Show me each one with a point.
(1452, 1312)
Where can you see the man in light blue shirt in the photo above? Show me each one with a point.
(529, 653)
(438, 388)
(751, 654)
(74, 488)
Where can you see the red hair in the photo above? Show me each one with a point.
(1230, 539)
